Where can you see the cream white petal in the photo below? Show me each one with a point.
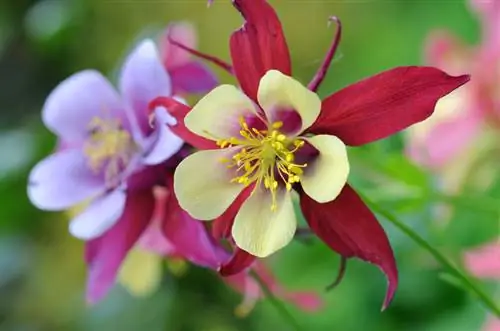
(202, 184)
(217, 114)
(278, 91)
(259, 230)
(326, 175)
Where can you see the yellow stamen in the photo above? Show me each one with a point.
(109, 146)
(266, 157)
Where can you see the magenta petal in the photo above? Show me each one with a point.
(105, 254)
(63, 180)
(143, 78)
(75, 101)
(189, 236)
(348, 227)
(193, 77)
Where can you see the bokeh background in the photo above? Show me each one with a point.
(42, 273)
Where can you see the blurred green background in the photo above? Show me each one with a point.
(42, 273)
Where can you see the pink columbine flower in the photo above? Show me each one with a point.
(110, 156)
(484, 262)
(465, 113)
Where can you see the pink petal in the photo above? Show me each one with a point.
(105, 254)
(172, 56)
(444, 141)
(188, 236)
(484, 262)
(493, 324)
(193, 77)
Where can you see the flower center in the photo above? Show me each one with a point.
(266, 156)
(109, 147)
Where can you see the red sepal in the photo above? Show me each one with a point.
(348, 227)
(384, 104)
(258, 46)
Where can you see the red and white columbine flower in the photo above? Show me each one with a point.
(275, 135)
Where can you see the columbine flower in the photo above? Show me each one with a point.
(276, 136)
(446, 139)
(109, 156)
(484, 262)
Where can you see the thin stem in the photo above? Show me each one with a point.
(487, 301)
(276, 302)
(320, 75)
(218, 62)
(340, 275)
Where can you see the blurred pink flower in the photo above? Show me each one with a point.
(462, 115)
(484, 262)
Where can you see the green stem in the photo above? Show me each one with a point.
(276, 302)
(487, 301)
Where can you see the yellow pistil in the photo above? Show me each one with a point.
(109, 146)
(266, 156)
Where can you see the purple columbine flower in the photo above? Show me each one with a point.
(106, 145)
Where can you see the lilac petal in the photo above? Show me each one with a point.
(166, 142)
(143, 78)
(99, 216)
(74, 102)
(106, 253)
(193, 77)
(62, 180)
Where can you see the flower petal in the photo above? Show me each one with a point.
(258, 46)
(384, 104)
(172, 55)
(106, 253)
(218, 113)
(189, 236)
(484, 262)
(99, 216)
(141, 272)
(75, 101)
(193, 77)
(202, 184)
(178, 111)
(142, 79)
(240, 261)
(325, 177)
(166, 143)
(280, 92)
(62, 180)
(259, 230)
(348, 227)
(221, 226)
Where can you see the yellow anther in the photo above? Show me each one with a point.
(266, 157)
(277, 125)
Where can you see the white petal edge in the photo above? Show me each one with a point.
(217, 114)
(259, 230)
(279, 91)
(99, 216)
(202, 184)
(325, 176)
